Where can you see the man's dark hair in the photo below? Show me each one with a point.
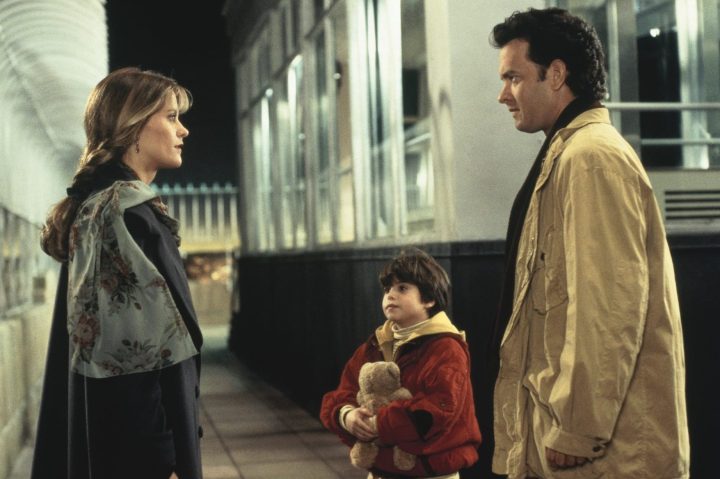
(555, 34)
(415, 266)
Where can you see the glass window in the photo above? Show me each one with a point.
(247, 184)
(419, 181)
(262, 61)
(367, 172)
(659, 81)
(322, 138)
(262, 152)
(318, 9)
(400, 167)
(290, 141)
(297, 149)
(294, 24)
(664, 75)
(379, 76)
(281, 141)
(284, 28)
(345, 212)
(242, 86)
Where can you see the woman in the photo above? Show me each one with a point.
(123, 314)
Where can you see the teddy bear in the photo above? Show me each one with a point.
(379, 385)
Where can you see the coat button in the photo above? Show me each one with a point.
(201, 433)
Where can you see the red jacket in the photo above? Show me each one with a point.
(437, 424)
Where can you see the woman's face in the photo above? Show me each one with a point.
(161, 139)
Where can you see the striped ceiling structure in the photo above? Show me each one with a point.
(52, 53)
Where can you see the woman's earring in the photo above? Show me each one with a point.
(137, 146)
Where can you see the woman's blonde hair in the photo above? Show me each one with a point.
(117, 109)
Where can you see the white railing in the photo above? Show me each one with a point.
(208, 215)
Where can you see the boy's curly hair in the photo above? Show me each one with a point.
(415, 266)
(553, 33)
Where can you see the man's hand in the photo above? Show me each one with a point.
(360, 423)
(558, 460)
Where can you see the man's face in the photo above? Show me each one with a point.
(530, 100)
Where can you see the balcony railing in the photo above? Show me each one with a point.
(208, 215)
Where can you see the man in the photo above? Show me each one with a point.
(592, 372)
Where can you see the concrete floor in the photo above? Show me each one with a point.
(251, 430)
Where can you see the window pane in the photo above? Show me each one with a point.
(380, 145)
(263, 185)
(659, 79)
(297, 149)
(346, 212)
(321, 108)
(241, 86)
(321, 103)
(318, 8)
(247, 185)
(289, 139)
(416, 105)
(284, 30)
(294, 25)
(281, 141)
(343, 132)
(323, 211)
(677, 61)
(262, 58)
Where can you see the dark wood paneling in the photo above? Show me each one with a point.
(303, 315)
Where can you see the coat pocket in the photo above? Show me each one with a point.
(549, 283)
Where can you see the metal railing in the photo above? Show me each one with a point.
(670, 106)
(208, 215)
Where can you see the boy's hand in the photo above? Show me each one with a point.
(558, 460)
(360, 424)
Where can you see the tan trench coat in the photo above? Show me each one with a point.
(592, 360)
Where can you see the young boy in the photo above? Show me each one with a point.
(438, 423)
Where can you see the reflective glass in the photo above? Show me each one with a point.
(345, 211)
(673, 65)
(263, 187)
(322, 153)
(379, 127)
(416, 109)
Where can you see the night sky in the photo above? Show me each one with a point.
(186, 40)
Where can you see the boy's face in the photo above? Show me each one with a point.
(403, 304)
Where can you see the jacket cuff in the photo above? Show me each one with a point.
(395, 426)
(574, 445)
(341, 415)
(338, 426)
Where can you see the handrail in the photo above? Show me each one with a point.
(661, 106)
(679, 141)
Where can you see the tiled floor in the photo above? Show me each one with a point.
(251, 430)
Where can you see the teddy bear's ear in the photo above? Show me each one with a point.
(364, 369)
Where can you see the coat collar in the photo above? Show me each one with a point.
(557, 144)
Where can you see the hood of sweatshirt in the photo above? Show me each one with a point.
(438, 324)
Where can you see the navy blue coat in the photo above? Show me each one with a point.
(140, 426)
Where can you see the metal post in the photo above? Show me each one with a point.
(220, 199)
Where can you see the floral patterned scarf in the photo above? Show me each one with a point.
(121, 315)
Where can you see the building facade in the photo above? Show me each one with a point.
(365, 125)
(52, 53)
